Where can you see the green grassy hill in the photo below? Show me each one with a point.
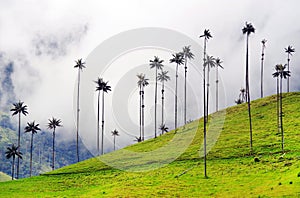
(232, 171)
(4, 177)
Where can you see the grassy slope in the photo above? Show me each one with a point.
(232, 171)
(4, 177)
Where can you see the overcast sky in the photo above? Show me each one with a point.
(43, 38)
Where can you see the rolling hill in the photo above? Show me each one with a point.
(148, 169)
(4, 177)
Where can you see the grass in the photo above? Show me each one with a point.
(148, 169)
(4, 177)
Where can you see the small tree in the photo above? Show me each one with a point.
(13, 151)
(52, 124)
(115, 133)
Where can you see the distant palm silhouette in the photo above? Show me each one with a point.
(280, 72)
(52, 124)
(163, 77)
(178, 59)
(115, 133)
(187, 55)
(33, 129)
(105, 89)
(13, 151)
(248, 29)
(80, 65)
(218, 64)
(206, 35)
(19, 108)
(262, 68)
(289, 50)
(163, 128)
(142, 83)
(99, 88)
(157, 64)
(242, 95)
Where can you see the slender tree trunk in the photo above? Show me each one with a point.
(19, 140)
(176, 98)
(207, 92)
(114, 142)
(77, 132)
(204, 110)
(140, 111)
(262, 73)
(53, 150)
(98, 124)
(185, 74)
(13, 168)
(288, 78)
(155, 105)
(143, 113)
(162, 105)
(102, 138)
(277, 98)
(217, 89)
(31, 147)
(281, 123)
(248, 93)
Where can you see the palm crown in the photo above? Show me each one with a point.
(206, 34)
(289, 50)
(115, 133)
(163, 128)
(210, 61)
(177, 58)
(79, 64)
(53, 123)
(106, 87)
(280, 71)
(100, 84)
(156, 63)
(218, 63)
(12, 152)
(142, 80)
(32, 127)
(248, 29)
(19, 108)
(163, 76)
(186, 52)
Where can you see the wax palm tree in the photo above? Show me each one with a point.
(282, 74)
(33, 129)
(248, 29)
(187, 55)
(13, 151)
(206, 35)
(289, 50)
(157, 64)
(277, 69)
(140, 77)
(80, 65)
(210, 63)
(99, 88)
(262, 68)
(105, 89)
(218, 64)
(242, 95)
(115, 133)
(179, 60)
(163, 77)
(163, 128)
(19, 108)
(52, 124)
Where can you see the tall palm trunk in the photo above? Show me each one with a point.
(53, 150)
(248, 92)
(98, 124)
(114, 142)
(143, 117)
(176, 98)
(217, 89)
(277, 99)
(185, 74)
(13, 168)
(140, 111)
(288, 78)
(204, 110)
(102, 138)
(162, 105)
(77, 131)
(155, 106)
(207, 91)
(19, 139)
(281, 123)
(262, 73)
(31, 147)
